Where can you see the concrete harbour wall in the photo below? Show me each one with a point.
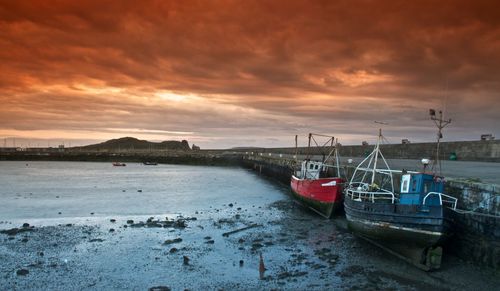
(486, 151)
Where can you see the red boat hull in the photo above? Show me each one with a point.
(321, 195)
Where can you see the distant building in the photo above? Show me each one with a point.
(364, 143)
(488, 136)
(405, 141)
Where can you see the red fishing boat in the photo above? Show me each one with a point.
(318, 183)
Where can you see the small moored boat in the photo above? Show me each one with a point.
(317, 184)
(150, 163)
(118, 164)
(411, 217)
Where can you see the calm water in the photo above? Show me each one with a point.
(40, 190)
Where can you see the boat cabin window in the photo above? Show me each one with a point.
(405, 183)
(414, 185)
(316, 167)
(428, 187)
(311, 166)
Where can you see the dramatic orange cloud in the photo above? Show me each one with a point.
(246, 73)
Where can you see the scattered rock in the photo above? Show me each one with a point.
(241, 263)
(111, 230)
(159, 288)
(96, 240)
(140, 190)
(22, 272)
(173, 250)
(180, 224)
(24, 240)
(239, 208)
(14, 231)
(241, 240)
(59, 212)
(256, 246)
(171, 241)
(91, 213)
(230, 205)
(186, 260)
(69, 224)
(25, 225)
(210, 241)
(112, 220)
(130, 221)
(41, 254)
(207, 237)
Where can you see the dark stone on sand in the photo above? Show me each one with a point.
(171, 241)
(139, 190)
(230, 204)
(173, 250)
(25, 225)
(237, 216)
(112, 220)
(241, 240)
(210, 241)
(125, 226)
(159, 288)
(150, 219)
(207, 237)
(241, 263)
(69, 224)
(256, 245)
(111, 230)
(180, 223)
(239, 208)
(91, 213)
(130, 221)
(185, 260)
(24, 240)
(14, 231)
(22, 272)
(41, 254)
(139, 224)
(59, 213)
(96, 240)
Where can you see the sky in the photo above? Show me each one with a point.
(230, 73)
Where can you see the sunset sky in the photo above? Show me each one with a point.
(246, 73)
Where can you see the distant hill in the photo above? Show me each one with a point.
(131, 143)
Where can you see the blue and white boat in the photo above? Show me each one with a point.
(412, 216)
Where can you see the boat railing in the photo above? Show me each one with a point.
(361, 190)
(443, 198)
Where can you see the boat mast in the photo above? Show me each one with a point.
(376, 155)
(337, 157)
(440, 123)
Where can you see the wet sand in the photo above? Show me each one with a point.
(299, 251)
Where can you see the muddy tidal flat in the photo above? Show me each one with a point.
(250, 237)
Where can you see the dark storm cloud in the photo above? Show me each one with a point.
(351, 61)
